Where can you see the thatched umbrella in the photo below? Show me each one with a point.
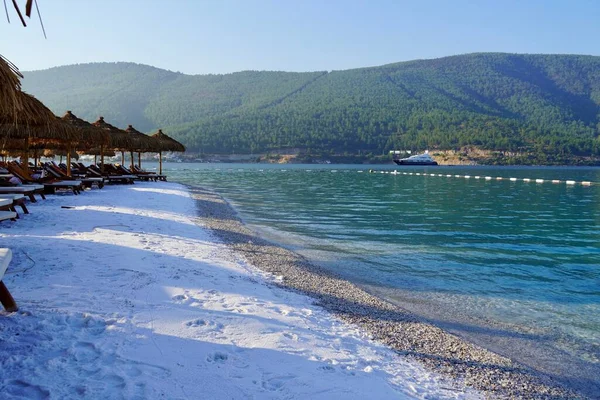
(143, 143)
(119, 139)
(93, 136)
(34, 124)
(35, 121)
(10, 87)
(165, 143)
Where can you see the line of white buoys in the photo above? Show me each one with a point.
(487, 178)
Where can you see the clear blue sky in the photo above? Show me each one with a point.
(222, 36)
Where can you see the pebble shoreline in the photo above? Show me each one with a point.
(495, 376)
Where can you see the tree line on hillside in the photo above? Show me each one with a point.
(542, 104)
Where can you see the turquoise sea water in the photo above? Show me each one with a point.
(513, 266)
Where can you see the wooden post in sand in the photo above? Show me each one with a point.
(102, 159)
(69, 158)
(6, 299)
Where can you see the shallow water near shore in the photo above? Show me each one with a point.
(513, 266)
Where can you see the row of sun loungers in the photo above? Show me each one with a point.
(48, 179)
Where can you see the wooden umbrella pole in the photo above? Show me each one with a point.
(69, 158)
(122, 157)
(160, 162)
(131, 154)
(139, 159)
(95, 159)
(25, 156)
(25, 160)
(102, 159)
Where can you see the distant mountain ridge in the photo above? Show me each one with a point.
(543, 104)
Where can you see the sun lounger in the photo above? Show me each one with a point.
(146, 175)
(80, 174)
(17, 199)
(47, 184)
(7, 205)
(56, 172)
(5, 297)
(26, 191)
(4, 215)
(37, 188)
(128, 179)
(75, 186)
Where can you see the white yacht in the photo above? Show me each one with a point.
(417, 159)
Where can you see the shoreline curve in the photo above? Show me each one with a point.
(442, 352)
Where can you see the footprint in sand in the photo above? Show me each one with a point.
(291, 336)
(205, 325)
(84, 352)
(24, 390)
(114, 381)
(327, 368)
(217, 357)
(277, 382)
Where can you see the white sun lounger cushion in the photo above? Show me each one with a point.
(5, 257)
(12, 196)
(6, 202)
(64, 183)
(15, 189)
(33, 186)
(4, 215)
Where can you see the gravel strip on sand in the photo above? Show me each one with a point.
(496, 376)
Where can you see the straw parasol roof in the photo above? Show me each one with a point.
(119, 139)
(166, 143)
(36, 122)
(142, 141)
(92, 136)
(10, 86)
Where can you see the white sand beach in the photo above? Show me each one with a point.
(123, 295)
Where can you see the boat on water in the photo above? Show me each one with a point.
(417, 159)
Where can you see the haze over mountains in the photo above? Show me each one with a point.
(543, 104)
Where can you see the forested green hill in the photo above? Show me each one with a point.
(543, 104)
